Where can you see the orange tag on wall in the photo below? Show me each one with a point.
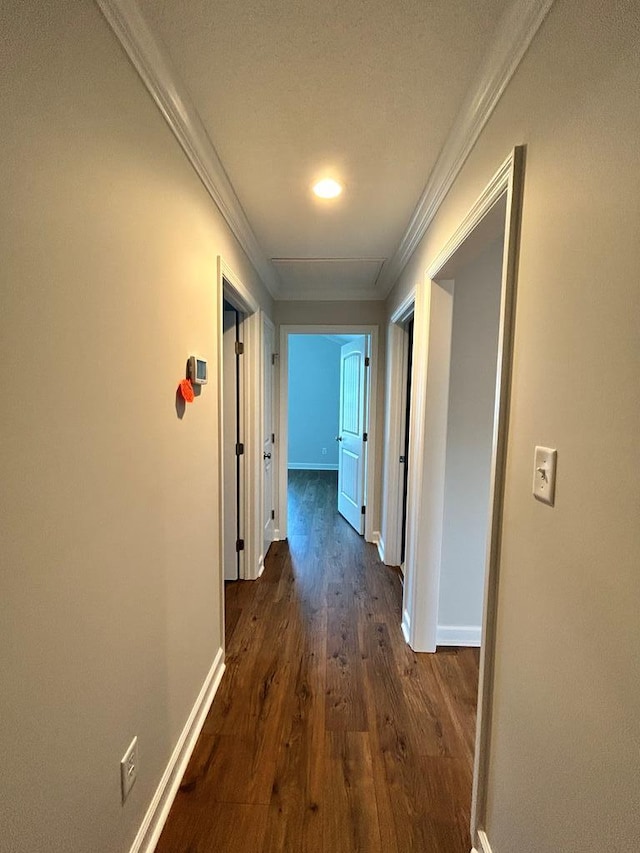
(186, 389)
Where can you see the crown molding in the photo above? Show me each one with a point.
(151, 61)
(515, 32)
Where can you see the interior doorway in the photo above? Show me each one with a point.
(399, 391)
(233, 439)
(494, 218)
(404, 458)
(327, 409)
(268, 436)
(327, 429)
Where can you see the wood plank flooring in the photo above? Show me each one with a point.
(328, 734)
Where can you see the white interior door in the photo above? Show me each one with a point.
(230, 437)
(351, 462)
(267, 434)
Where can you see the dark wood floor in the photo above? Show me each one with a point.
(328, 733)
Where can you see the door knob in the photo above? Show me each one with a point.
(338, 438)
(266, 456)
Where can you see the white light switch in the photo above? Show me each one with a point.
(544, 474)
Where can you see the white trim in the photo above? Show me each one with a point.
(427, 451)
(377, 538)
(424, 522)
(406, 625)
(394, 428)
(395, 391)
(267, 366)
(158, 811)
(405, 309)
(483, 845)
(311, 466)
(515, 183)
(371, 479)
(230, 286)
(459, 635)
(514, 34)
(490, 196)
(152, 62)
(425, 505)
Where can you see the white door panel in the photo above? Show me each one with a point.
(351, 469)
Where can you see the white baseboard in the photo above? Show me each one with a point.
(406, 626)
(158, 811)
(261, 567)
(459, 635)
(483, 843)
(380, 542)
(276, 535)
(311, 466)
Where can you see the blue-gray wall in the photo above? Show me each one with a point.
(314, 401)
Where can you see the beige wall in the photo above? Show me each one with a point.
(367, 312)
(363, 313)
(565, 741)
(110, 594)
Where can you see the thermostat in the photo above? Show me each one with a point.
(197, 370)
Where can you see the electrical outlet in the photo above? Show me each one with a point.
(129, 768)
(324, 451)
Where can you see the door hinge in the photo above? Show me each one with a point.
(364, 509)
(403, 458)
(365, 436)
(239, 348)
(273, 514)
(274, 357)
(273, 437)
(367, 361)
(239, 544)
(239, 449)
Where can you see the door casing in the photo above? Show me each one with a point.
(433, 303)
(231, 288)
(370, 534)
(389, 546)
(269, 444)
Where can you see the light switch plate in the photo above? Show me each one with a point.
(129, 768)
(544, 474)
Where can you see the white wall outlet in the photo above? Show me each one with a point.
(544, 474)
(129, 768)
(324, 451)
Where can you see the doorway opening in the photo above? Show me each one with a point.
(399, 391)
(233, 440)
(327, 428)
(404, 458)
(464, 321)
(327, 410)
(239, 335)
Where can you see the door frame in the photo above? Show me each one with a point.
(274, 444)
(428, 448)
(390, 542)
(370, 418)
(231, 288)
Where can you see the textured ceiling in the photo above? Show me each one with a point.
(364, 90)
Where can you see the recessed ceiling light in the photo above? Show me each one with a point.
(327, 188)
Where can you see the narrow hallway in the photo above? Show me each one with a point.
(327, 732)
